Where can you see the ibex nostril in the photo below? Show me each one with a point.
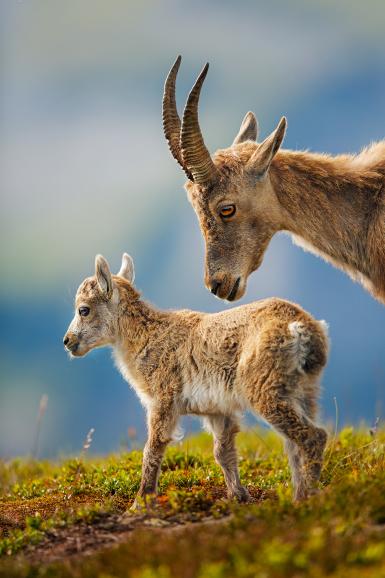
(214, 287)
(66, 340)
(234, 290)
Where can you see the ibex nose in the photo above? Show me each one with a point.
(215, 287)
(71, 342)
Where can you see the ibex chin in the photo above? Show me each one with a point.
(332, 206)
(266, 357)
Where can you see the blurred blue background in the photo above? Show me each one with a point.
(85, 169)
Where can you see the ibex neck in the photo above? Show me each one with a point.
(138, 323)
(328, 204)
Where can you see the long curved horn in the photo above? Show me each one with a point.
(195, 155)
(171, 120)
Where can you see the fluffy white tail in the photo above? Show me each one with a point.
(303, 344)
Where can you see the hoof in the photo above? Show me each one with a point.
(301, 494)
(143, 504)
(241, 495)
(136, 507)
(304, 493)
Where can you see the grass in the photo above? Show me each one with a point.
(338, 533)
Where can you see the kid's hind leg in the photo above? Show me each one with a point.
(300, 467)
(224, 430)
(312, 465)
(306, 441)
(296, 464)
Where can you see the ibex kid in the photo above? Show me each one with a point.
(266, 356)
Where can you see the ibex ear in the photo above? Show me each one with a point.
(261, 159)
(127, 270)
(248, 130)
(103, 275)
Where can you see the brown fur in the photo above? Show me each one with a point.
(333, 206)
(266, 356)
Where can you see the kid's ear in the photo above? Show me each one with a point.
(261, 159)
(103, 275)
(248, 130)
(127, 268)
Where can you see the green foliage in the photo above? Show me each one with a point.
(338, 533)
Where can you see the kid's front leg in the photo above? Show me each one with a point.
(161, 424)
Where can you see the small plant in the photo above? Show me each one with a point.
(42, 410)
(86, 446)
(374, 429)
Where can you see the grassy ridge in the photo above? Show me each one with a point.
(339, 533)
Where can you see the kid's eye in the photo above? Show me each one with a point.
(84, 311)
(227, 211)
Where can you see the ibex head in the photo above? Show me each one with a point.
(97, 304)
(231, 193)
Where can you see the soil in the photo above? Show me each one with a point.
(105, 531)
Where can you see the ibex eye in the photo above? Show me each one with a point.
(227, 211)
(84, 311)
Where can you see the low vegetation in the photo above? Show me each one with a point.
(53, 513)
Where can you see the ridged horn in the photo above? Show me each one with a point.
(171, 120)
(196, 157)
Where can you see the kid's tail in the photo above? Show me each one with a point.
(308, 350)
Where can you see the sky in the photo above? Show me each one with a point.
(85, 169)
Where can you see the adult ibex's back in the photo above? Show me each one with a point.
(332, 206)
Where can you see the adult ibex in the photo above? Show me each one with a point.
(332, 206)
(266, 357)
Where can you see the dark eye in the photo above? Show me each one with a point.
(84, 311)
(227, 211)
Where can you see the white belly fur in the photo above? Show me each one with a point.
(211, 397)
(200, 396)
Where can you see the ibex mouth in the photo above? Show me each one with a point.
(231, 296)
(73, 348)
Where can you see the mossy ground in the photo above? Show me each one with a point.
(77, 506)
